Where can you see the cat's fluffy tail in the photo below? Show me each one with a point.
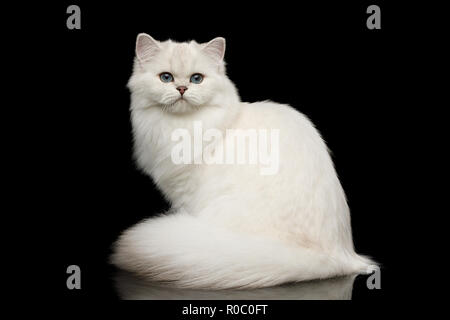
(184, 250)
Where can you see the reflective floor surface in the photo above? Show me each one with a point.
(131, 287)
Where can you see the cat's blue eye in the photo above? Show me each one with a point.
(196, 78)
(166, 77)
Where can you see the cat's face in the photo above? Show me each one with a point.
(178, 77)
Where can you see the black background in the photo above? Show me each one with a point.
(320, 59)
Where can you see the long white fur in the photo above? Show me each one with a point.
(230, 226)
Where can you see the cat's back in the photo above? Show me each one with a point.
(272, 115)
(300, 146)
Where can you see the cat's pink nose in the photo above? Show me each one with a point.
(182, 89)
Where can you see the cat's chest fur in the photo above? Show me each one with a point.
(154, 141)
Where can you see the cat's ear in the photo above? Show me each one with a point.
(146, 47)
(215, 48)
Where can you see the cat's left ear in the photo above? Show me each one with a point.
(215, 49)
(146, 47)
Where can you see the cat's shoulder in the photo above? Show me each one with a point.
(273, 110)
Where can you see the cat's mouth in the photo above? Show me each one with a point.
(179, 105)
(179, 99)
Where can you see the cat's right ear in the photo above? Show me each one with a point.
(215, 49)
(146, 47)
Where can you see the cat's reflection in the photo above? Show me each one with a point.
(131, 287)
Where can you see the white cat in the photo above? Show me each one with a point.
(230, 226)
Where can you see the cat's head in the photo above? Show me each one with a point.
(178, 77)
